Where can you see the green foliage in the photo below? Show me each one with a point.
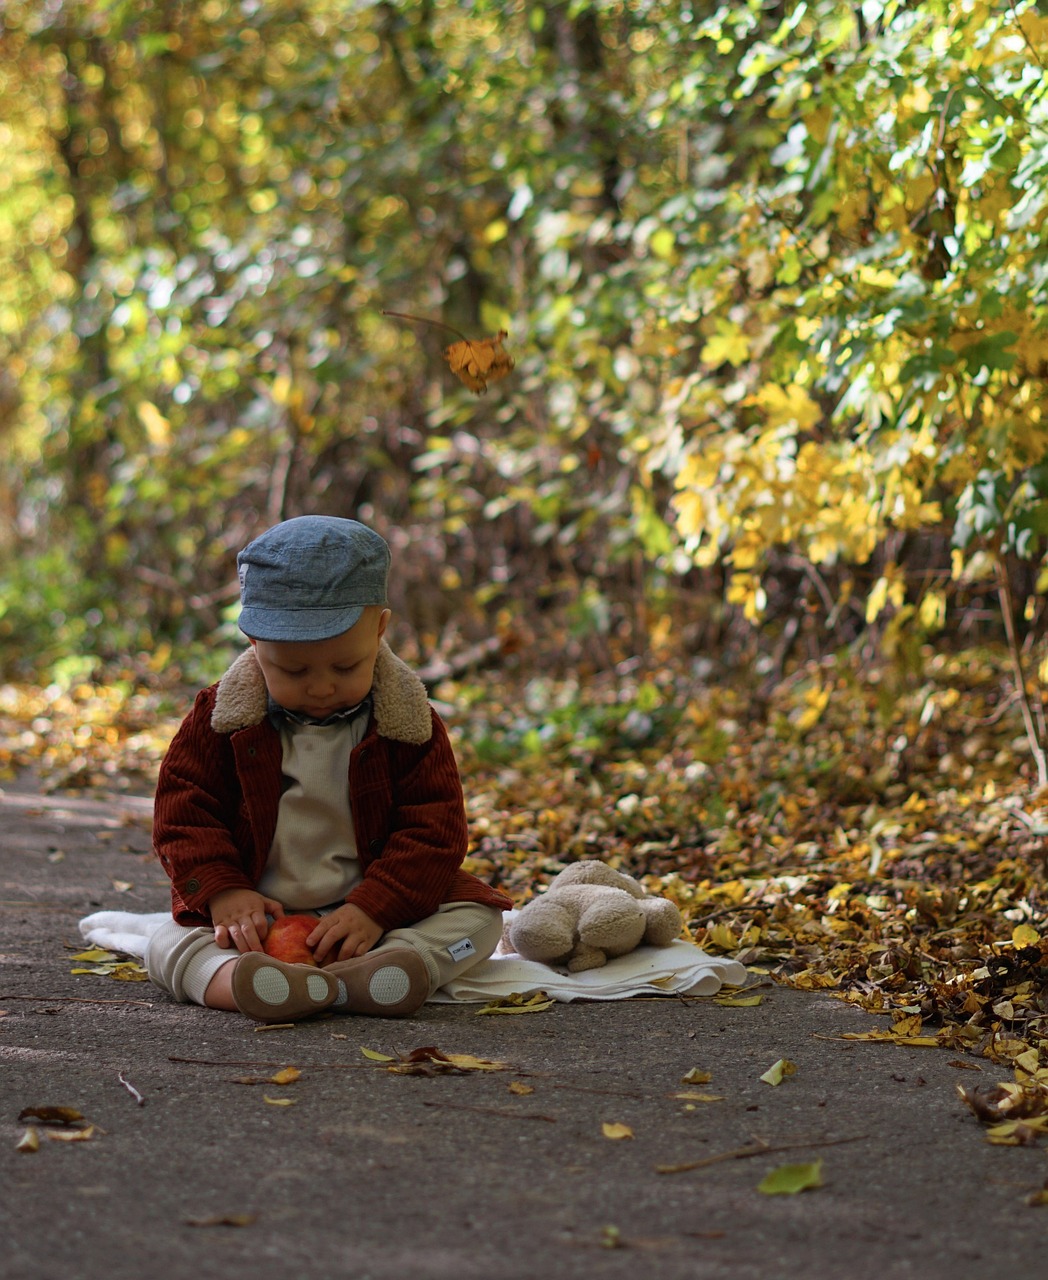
(774, 278)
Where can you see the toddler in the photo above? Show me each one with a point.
(316, 777)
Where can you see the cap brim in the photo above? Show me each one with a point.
(297, 625)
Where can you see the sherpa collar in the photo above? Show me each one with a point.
(401, 706)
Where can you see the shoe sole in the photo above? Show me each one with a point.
(387, 984)
(271, 991)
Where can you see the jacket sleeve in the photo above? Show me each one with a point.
(195, 820)
(410, 819)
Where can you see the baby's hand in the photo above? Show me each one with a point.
(343, 934)
(239, 917)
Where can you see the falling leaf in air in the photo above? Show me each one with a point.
(778, 1071)
(616, 1131)
(479, 361)
(788, 1179)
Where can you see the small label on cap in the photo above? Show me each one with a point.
(461, 949)
(242, 574)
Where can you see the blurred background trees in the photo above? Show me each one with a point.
(774, 275)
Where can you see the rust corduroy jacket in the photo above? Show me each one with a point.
(220, 785)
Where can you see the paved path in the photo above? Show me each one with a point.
(192, 1173)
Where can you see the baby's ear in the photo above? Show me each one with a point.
(383, 622)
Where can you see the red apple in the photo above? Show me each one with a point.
(286, 939)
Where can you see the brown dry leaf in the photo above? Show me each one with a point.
(431, 1061)
(52, 1115)
(479, 361)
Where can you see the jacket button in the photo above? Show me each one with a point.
(192, 886)
(375, 846)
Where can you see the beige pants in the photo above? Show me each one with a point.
(182, 960)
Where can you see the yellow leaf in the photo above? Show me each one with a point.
(375, 1056)
(616, 1131)
(728, 345)
(70, 1135)
(1025, 935)
(788, 1179)
(466, 1062)
(158, 429)
(96, 955)
(521, 1089)
(688, 1096)
(788, 406)
(778, 1071)
(287, 1076)
(537, 1002)
(695, 1076)
(29, 1141)
(278, 1102)
(738, 1002)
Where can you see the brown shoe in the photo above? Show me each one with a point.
(386, 984)
(272, 991)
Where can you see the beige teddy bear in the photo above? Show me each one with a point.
(589, 914)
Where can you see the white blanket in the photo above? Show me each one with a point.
(679, 969)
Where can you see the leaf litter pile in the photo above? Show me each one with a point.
(852, 831)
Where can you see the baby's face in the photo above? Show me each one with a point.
(319, 677)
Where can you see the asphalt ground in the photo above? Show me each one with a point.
(197, 1167)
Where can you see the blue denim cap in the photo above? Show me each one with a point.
(310, 578)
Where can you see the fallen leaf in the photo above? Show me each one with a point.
(778, 1071)
(695, 1076)
(537, 1002)
(29, 1141)
(479, 361)
(520, 1089)
(123, 886)
(71, 1135)
(616, 1131)
(287, 1076)
(51, 1115)
(96, 955)
(788, 1179)
(278, 1102)
(738, 1002)
(375, 1056)
(688, 1096)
